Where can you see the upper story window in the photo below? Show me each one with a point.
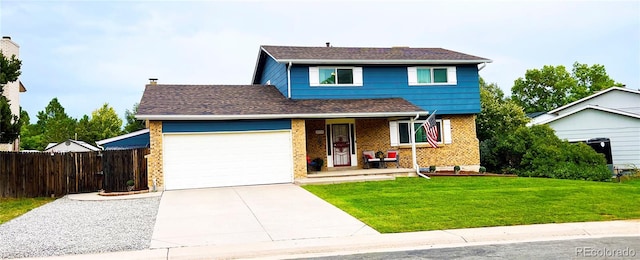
(335, 76)
(432, 76)
(332, 76)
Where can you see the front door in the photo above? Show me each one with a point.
(341, 145)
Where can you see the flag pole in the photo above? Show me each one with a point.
(413, 144)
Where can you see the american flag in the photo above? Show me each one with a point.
(431, 129)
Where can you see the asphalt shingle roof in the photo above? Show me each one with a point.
(253, 100)
(367, 53)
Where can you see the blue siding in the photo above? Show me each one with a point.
(138, 141)
(392, 82)
(224, 126)
(276, 72)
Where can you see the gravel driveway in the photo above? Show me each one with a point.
(67, 226)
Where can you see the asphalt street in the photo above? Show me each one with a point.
(591, 248)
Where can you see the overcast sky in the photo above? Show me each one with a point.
(87, 53)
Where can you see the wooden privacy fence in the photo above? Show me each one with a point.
(119, 166)
(58, 174)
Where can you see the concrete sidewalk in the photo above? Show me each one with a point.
(384, 242)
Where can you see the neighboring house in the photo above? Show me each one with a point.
(12, 90)
(71, 146)
(133, 140)
(322, 102)
(613, 113)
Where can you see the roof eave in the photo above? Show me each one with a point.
(556, 110)
(279, 116)
(326, 61)
(122, 137)
(255, 71)
(599, 108)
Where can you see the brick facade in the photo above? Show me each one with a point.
(298, 139)
(316, 143)
(154, 159)
(464, 149)
(373, 134)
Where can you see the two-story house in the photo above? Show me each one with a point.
(12, 90)
(314, 102)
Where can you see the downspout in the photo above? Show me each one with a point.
(289, 80)
(413, 144)
(484, 64)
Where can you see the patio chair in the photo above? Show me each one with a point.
(370, 157)
(392, 156)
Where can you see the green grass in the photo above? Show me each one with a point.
(11, 208)
(417, 204)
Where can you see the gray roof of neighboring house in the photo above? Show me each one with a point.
(220, 102)
(83, 144)
(394, 54)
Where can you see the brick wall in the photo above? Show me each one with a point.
(316, 144)
(154, 160)
(298, 139)
(373, 134)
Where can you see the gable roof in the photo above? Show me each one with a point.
(361, 55)
(593, 96)
(229, 102)
(83, 144)
(599, 108)
(394, 55)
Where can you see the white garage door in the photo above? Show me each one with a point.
(202, 160)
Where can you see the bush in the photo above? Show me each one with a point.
(432, 168)
(130, 183)
(483, 169)
(537, 152)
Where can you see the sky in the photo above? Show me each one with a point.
(87, 53)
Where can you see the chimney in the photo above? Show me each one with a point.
(328, 44)
(153, 81)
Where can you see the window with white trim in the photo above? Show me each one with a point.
(335, 76)
(400, 132)
(431, 76)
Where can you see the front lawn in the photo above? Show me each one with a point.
(11, 208)
(417, 204)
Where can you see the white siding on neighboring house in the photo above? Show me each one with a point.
(12, 89)
(615, 99)
(623, 131)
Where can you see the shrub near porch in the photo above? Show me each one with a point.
(417, 204)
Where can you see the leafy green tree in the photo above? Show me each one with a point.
(133, 124)
(54, 123)
(85, 130)
(590, 79)
(544, 89)
(498, 116)
(551, 87)
(105, 123)
(10, 124)
(30, 137)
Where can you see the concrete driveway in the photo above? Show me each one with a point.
(233, 215)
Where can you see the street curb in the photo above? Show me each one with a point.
(317, 247)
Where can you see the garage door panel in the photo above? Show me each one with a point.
(227, 159)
